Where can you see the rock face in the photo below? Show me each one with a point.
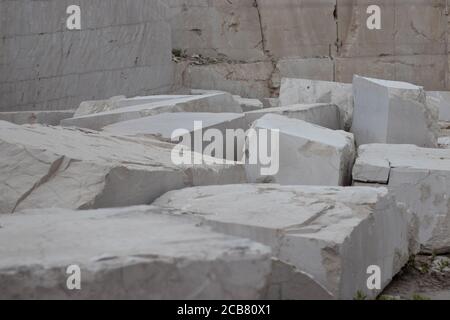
(295, 91)
(128, 253)
(393, 112)
(321, 114)
(443, 102)
(332, 234)
(165, 125)
(418, 177)
(52, 118)
(123, 47)
(43, 167)
(214, 102)
(252, 80)
(308, 154)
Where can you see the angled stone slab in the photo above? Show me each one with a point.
(164, 126)
(51, 118)
(44, 167)
(97, 106)
(393, 112)
(130, 253)
(418, 177)
(322, 114)
(331, 233)
(442, 99)
(249, 104)
(308, 154)
(294, 91)
(215, 103)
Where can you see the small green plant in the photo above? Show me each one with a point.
(360, 295)
(419, 297)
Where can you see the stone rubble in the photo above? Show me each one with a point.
(333, 234)
(300, 235)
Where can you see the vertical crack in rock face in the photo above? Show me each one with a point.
(263, 38)
(332, 234)
(68, 168)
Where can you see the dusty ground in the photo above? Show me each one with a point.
(424, 278)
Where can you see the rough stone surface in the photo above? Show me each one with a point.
(332, 234)
(123, 47)
(393, 112)
(252, 80)
(97, 106)
(308, 154)
(214, 102)
(443, 102)
(418, 177)
(44, 167)
(164, 125)
(52, 118)
(321, 114)
(295, 91)
(216, 28)
(444, 142)
(131, 253)
(249, 104)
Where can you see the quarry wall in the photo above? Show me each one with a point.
(317, 39)
(124, 47)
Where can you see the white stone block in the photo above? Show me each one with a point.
(321, 114)
(418, 177)
(43, 167)
(333, 234)
(308, 154)
(215, 103)
(294, 91)
(393, 112)
(130, 253)
(164, 126)
(443, 103)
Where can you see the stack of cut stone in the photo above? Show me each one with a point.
(101, 191)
